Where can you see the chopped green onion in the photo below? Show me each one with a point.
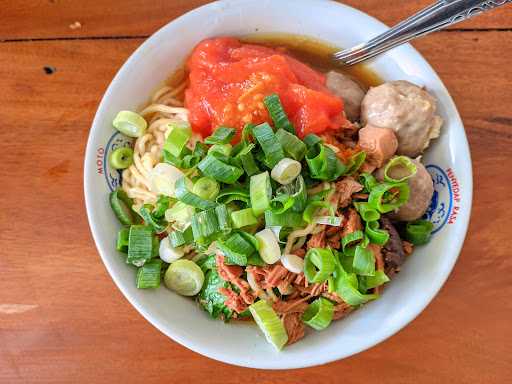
(243, 218)
(319, 263)
(387, 197)
(247, 160)
(292, 145)
(121, 158)
(180, 214)
(351, 239)
(184, 195)
(376, 235)
(218, 170)
(149, 275)
(368, 181)
(158, 225)
(268, 246)
(286, 171)
(277, 114)
(281, 203)
(163, 179)
(130, 123)
(349, 292)
(223, 149)
(269, 323)
(364, 261)
(345, 284)
(313, 206)
(222, 135)
(311, 140)
(140, 245)
(162, 204)
(297, 191)
(184, 277)
(200, 150)
(228, 195)
(366, 212)
(206, 188)
(232, 256)
(269, 144)
(400, 163)
(318, 314)
(236, 249)
(243, 242)
(122, 240)
(221, 211)
(286, 219)
(324, 164)
(178, 238)
(260, 193)
(179, 134)
(247, 132)
(369, 282)
(355, 162)
(204, 225)
(121, 204)
(334, 221)
(418, 232)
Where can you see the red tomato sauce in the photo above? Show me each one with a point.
(229, 80)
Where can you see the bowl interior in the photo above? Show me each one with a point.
(242, 344)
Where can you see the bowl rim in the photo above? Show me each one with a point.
(203, 348)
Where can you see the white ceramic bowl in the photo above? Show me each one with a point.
(242, 344)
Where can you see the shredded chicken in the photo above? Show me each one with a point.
(333, 296)
(408, 247)
(294, 327)
(232, 273)
(275, 275)
(317, 240)
(233, 301)
(301, 252)
(353, 223)
(341, 310)
(290, 306)
(346, 188)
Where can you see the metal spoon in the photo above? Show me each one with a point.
(437, 16)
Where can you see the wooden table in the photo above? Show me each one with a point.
(62, 320)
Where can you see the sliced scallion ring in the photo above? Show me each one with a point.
(163, 179)
(206, 188)
(402, 164)
(168, 253)
(268, 246)
(243, 218)
(121, 204)
(319, 263)
(260, 193)
(121, 158)
(130, 123)
(318, 314)
(293, 263)
(387, 197)
(184, 277)
(269, 323)
(286, 170)
(418, 232)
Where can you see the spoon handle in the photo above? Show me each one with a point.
(437, 16)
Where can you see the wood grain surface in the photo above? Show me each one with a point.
(62, 320)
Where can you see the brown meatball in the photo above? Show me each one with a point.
(407, 109)
(421, 191)
(346, 88)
